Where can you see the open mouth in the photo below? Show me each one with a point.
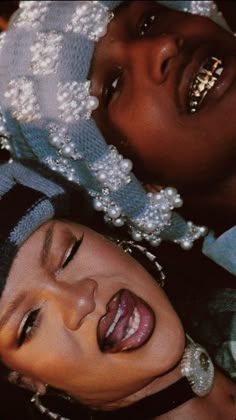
(127, 324)
(204, 82)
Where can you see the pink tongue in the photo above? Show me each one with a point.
(126, 306)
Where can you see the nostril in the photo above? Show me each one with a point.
(164, 65)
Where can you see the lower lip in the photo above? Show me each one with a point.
(223, 84)
(127, 301)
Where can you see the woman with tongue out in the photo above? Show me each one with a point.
(74, 314)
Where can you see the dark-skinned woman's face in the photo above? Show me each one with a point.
(147, 73)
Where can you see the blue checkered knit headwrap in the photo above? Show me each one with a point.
(46, 107)
(27, 200)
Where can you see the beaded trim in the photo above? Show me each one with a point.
(201, 8)
(193, 233)
(2, 39)
(23, 99)
(32, 13)
(59, 138)
(112, 170)
(157, 215)
(45, 53)
(113, 213)
(63, 167)
(90, 19)
(5, 136)
(74, 101)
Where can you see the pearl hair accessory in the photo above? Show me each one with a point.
(46, 109)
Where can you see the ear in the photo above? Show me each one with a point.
(24, 381)
(152, 187)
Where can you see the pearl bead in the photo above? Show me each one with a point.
(114, 212)
(178, 202)
(102, 177)
(101, 30)
(170, 191)
(165, 208)
(126, 165)
(92, 103)
(118, 222)
(137, 236)
(66, 151)
(203, 230)
(186, 245)
(149, 227)
(98, 205)
(157, 198)
(155, 242)
(55, 141)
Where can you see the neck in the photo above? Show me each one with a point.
(219, 404)
(207, 206)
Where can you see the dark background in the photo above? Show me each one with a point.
(14, 402)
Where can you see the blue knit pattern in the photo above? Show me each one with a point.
(30, 139)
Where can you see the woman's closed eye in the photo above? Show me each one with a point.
(71, 252)
(112, 86)
(32, 319)
(29, 326)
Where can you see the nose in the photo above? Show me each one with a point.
(74, 301)
(154, 56)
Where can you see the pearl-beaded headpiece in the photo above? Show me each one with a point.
(46, 109)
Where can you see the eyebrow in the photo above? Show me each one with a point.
(47, 244)
(17, 301)
(12, 307)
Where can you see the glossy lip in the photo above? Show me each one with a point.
(189, 72)
(122, 306)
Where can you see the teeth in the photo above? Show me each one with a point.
(219, 70)
(203, 82)
(133, 324)
(112, 326)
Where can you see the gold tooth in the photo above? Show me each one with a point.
(217, 63)
(204, 81)
(203, 78)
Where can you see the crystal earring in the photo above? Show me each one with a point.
(130, 247)
(196, 365)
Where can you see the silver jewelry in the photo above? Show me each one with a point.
(198, 368)
(44, 410)
(129, 246)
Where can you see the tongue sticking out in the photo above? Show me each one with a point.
(128, 323)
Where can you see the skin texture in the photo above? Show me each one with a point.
(71, 301)
(146, 114)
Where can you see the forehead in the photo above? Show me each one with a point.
(26, 260)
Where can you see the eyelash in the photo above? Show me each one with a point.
(72, 252)
(30, 325)
(110, 89)
(146, 23)
(32, 319)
